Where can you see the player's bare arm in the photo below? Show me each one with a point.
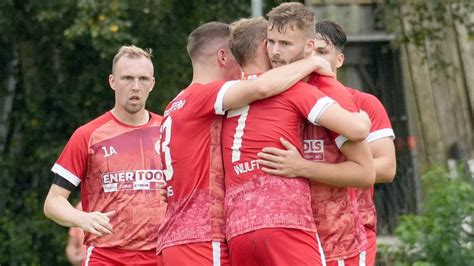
(357, 171)
(274, 82)
(385, 163)
(353, 126)
(59, 209)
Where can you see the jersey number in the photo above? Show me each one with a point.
(165, 150)
(239, 131)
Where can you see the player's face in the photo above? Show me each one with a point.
(132, 82)
(286, 46)
(329, 52)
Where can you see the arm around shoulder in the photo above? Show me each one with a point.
(273, 82)
(353, 126)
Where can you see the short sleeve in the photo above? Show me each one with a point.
(334, 89)
(219, 103)
(381, 126)
(72, 163)
(309, 101)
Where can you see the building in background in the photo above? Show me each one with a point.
(431, 114)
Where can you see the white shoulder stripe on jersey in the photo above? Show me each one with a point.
(63, 172)
(381, 133)
(319, 108)
(218, 105)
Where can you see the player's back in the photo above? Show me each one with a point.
(255, 200)
(191, 156)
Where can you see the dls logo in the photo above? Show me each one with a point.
(109, 151)
(313, 149)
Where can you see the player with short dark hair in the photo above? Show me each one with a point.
(268, 218)
(334, 163)
(193, 231)
(330, 42)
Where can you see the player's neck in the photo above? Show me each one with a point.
(254, 69)
(137, 119)
(206, 75)
(257, 65)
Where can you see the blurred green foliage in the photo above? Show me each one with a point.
(55, 60)
(443, 233)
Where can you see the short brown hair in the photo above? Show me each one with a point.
(131, 51)
(293, 13)
(206, 34)
(246, 35)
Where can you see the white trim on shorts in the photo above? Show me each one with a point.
(216, 253)
(362, 256)
(88, 255)
(362, 261)
(321, 251)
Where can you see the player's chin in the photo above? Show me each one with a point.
(134, 107)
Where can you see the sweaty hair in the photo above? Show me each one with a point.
(331, 32)
(131, 51)
(292, 14)
(205, 35)
(246, 35)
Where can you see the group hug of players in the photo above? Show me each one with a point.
(264, 159)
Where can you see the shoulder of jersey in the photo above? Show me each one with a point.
(95, 123)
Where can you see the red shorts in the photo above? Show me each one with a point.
(115, 256)
(371, 246)
(357, 260)
(276, 246)
(205, 253)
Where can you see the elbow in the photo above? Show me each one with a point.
(46, 209)
(387, 175)
(359, 133)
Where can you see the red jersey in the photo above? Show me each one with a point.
(256, 200)
(380, 128)
(192, 163)
(118, 168)
(334, 208)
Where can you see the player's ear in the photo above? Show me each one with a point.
(339, 60)
(112, 81)
(310, 46)
(152, 84)
(221, 57)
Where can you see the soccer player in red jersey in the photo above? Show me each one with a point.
(330, 42)
(337, 219)
(192, 232)
(115, 159)
(269, 219)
